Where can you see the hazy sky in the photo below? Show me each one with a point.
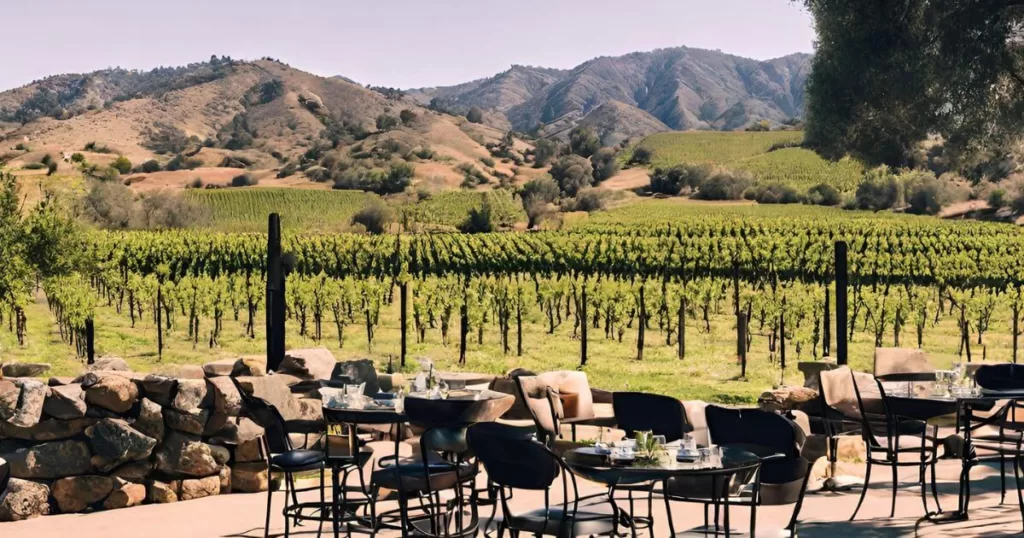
(400, 43)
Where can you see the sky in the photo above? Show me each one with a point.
(397, 43)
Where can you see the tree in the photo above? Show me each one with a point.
(606, 164)
(375, 217)
(880, 189)
(572, 173)
(583, 142)
(824, 194)
(641, 156)
(475, 115)
(151, 166)
(537, 196)
(543, 151)
(673, 180)
(122, 165)
(886, 75)
(77, 158)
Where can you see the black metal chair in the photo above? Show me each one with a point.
(545, 408)
(778, 441)
(5, 478)
(834, 392)
(883, 434)
(282, 458)
(515, 461)
(345, 454)
(1000, 434)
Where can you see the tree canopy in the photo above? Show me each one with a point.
(888, 74)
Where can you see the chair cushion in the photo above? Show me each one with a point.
(590, 520)
(296, 460)
(412, 474)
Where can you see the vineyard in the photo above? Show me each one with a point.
(493, 301)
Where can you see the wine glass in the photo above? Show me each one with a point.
(442, 389)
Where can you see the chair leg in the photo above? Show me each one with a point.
(335, 503)
(287, 524)
(864, 491)
(270, 491)
(895, 486)
(1016, 479)
(1002, 479)
(320, 528)
(668, 511)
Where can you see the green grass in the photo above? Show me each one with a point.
(451, 208)
(246, 210)
(802, 168)
(715, 147)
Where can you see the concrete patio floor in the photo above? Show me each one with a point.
(824, 514)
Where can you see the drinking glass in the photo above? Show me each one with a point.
(704, 457)
(442, 389)
(660, 440)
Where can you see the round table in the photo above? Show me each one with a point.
(585, 463)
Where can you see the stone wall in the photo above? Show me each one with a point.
(112, 438)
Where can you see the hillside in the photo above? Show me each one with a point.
(261, 115)
(684, 88)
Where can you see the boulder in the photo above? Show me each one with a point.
(24, 369)
(275, 391)
(76, 493)
(249, 477)
(50, 461)
(184, 454)
(248, 451)
(30, 404)
(160, 389)
(215, 423)
(786, 398)
(238, 431)
(220, 454)
(191, 394)
(110, 391)
(311, 409)
(114, 442)
(250, 366)
(9, 395)
(136, 471)
(225, 480)
(223, 367)
(226, 398)
(150, 420)
(193, 422)
(48, 430)
(124, 495)
(183, 371)
(60, 381)
(161, 492)
(24, 500)
(66, 402)
(109, 364)
(197, 488)
(315, 363)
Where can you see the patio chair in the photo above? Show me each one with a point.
(903, 364)
(835, 411)
(545, 408)
(282, 458)
(5, 478)
(886, 437)
(999, 434)
(778, 441)
(514, 461)
(345, 453)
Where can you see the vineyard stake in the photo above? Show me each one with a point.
(404, 299)
(464, 322)
(826, 347)
(741, 342)
(275, 295)
(842, 279)
(583, 326)
(90, 340)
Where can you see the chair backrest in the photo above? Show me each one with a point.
(512, 459)
(574, 390)
(542, 402)
(1000, 377)
(267, 417)
(5, 477)
(359, 371)
(903, 364)
(837, 390)
(641, 412)
(754, 427)
(872, 422)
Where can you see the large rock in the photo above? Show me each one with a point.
(30, 404)
(66, 402)
(150, 420)
(315, 363)
(249, 477)
(215, 423)
(9, 395)
(110, 391)
(24, 369)
(48, 430)
(184, 454)
(114, 442)
(311, 409)
(160, 389)
(25, 500)
(275, 391)
(222, 367)
(50, 461)
(161, 492)
(225, 480)
(109, 364)
(250, 366)
(191, 394)
(238, 431)
(136, 471)
(220, 454)
(226, 398)
(77, 493)
(248, 451)
(193, 422)
(199, 488)
(786, 398)
(125, 494)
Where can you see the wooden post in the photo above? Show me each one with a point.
(1016, 334)
(826, 346)
(583, 325)
(782, 338)
(90, 341)
(642, 315)
(842, 281)
(159, 322)
(464, 323)
(741, 342)
(404, 300)
(275, 295)
(736, 287)
(681, 328)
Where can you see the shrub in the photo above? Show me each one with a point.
(927, 195)
(543, 188)
(572, 173)
(110, 175)
(34, 166)
(475, 115)
(51, 168)
(424, 153)
(407, 116)
(880, 189)
(164, 138)
(77, 158)
(488, 162)
(997, 198)
(673, 180)
(583, 142)
(47, 159)
(244, 180)
(591, 200)
(21, 146)
(375, 217)
(150, 166)
(386, 122)
(760, 126)
(641, 156)
(288, 170)
(824, 194)
(724, 185)
(605, 164)
(196, 183)
(398, 179)
(544, 150)
(122, 165)
(472, 176)
(774, 193)
(479, 220)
